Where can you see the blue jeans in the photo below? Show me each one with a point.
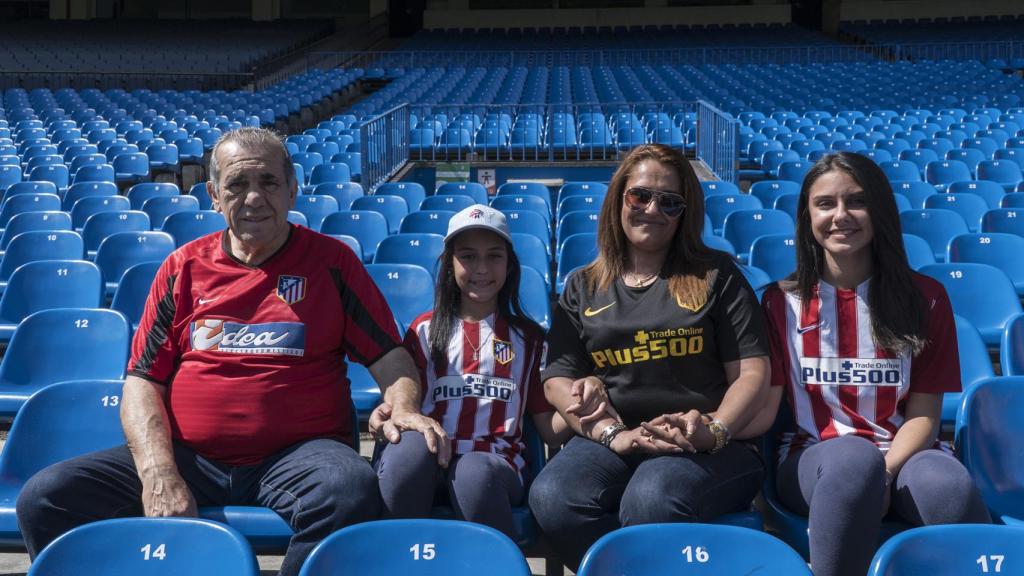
(839, 484)
(317, 486)
(587, 491)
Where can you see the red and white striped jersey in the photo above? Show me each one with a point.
(492, 378)
(838, 381)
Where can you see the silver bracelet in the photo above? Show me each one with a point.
(609, 433)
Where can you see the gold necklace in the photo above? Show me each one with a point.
(476, 349)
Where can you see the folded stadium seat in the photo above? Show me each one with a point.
(941, 146)
(772, 159)
(330, 172)
(421, 143)
(367, 226)
(426, 221)
(86, 159)
(901, 171)
(713, 187)
(1011, 349)
(986, 436)
(447, 202)
(308, 161)
(919, 253)
(325, 149)
(453, 548)
(163, 158)
(975, 366)
(190, 150)
(392, 208)
(315, 208)
(46, 284)
(95, 173)
(455, 142)
(354, 162)
(1006, 173)
(767, 191)
(970, 156)
(302, 141)
(140, 193)
(1012, 200)
(30, 188)
(407, 287)
(411, 248)
(947, 549)
(473, 190)
(775, 254)
(534, 293)
(319, 134)
(412, 192)
(981, 293)
(655, 549)
(351, 242)
(297, 218)
(1015, 155)
(1007, 220)
(577, 204)
(794, 171)
(788, 203)
(521, 202)
(987, 146)
(991, 192)
(22, 203)
(128, 545)
(113, 149)
(970, 206)
(208, 136)
(122, 250)
(996, 249)
(130, 296)
(742, 227)
(718, 243)
(575, 223)
(935, 226)
(718, 206)
(759, 281)
(943, 173)
(343, 192)
(576, 250)
(185, 227)
(160, 207)
(37, 356)
(62, 420)
(920, 157)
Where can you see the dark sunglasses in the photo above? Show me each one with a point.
(639, 198)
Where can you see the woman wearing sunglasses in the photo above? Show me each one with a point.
(658, 361)
(864, 348)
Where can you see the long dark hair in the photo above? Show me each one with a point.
(896, 304)
(448, 296)
(688, 264)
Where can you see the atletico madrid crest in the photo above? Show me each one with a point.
(503, 351)
(291, 289)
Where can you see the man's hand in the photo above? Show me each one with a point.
(166, 494)
(392, 428)
(590, 400)
(684, 429)
(380, 415)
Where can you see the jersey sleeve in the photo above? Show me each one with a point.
(774, 311)
(739, 331)
(536, 403)
(370, 328)
(156, 346)
(937, 368)
(567, 356)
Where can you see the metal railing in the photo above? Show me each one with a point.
(1006, 50)
(581, 132)
(384, 146)
(103, 80)
(718, 141)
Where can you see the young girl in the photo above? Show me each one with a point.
(479, 358)
(864, 348)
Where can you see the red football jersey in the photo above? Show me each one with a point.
(254, 356)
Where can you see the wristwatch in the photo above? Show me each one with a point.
(721, 433)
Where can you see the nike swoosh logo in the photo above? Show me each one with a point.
(588, 312)
(207, 300)
(806, 329)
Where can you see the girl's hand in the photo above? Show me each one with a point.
(591, 402)
(684, 429)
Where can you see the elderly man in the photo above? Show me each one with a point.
(236, 390)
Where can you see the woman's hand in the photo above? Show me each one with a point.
(638, 441)
(686, 430)
(590, 400)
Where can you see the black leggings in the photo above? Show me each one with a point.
(840, 484)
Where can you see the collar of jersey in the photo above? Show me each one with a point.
(226, 249)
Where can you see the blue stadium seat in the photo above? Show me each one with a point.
(22, 203)
(84, 190)
(690, 549)
(794, 171)
(161, 207)
(473, 189)
(718, 206)
(950, 550)
(991, 192)
(970, 156)
(149, 547)
(532, 252)
(577, 250)
(130, 168)
(54, 173)
(9, 175)
(578, 203)
(103, 224)
(30, 188)
(412, 192)
(308, 161)
(1011, 350)
(919, 253)
(714, 187)
(719, 243)
(34, 245)
(343, 192)
(534, 296)
(58, 422)
(351, 242)
(420, 249)
(581, 189)
(185, 227)
(915, 192)
(574, 223)
(975, 366)
(1012, 200)
(944, 172)
(453, 548)
(330, 172)
(45, 284)
(449, 202)
(1006, 173)
(970, 206)
(163, 158)
(130, 296)
(775, 254)
(768, 191)
(1004, 251)
(901, 171)
(39, 351)
(315, 207)
(391, 207)
(140, 193)
(1009, 220)
(367, 226)
(522, 202)
(122, 250)
(429, 221)
(988, 441)
(935, 226)
(742, 227)
(354, 162)
(980, 293)
(408, 289)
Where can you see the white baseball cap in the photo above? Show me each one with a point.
(478, 216)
